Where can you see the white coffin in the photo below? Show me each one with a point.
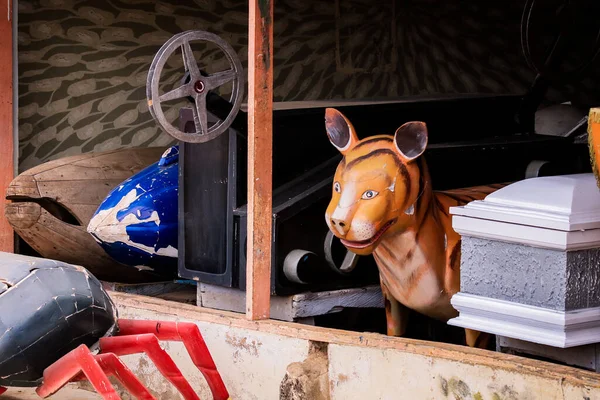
(558, 213)
(555, 212)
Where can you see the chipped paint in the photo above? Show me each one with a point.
(392, 187)
(137, 222)
(243, 344)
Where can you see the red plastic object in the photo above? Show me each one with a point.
(135, 337)
(190, 335)
(112, 365)
(69, 366)
(148, 343)
(2, 389)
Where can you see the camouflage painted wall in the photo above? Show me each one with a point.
(83, 64)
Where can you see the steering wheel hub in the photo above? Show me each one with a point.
(199, 86)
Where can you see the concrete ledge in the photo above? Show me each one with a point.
(255, 356)
(534, 324)
(69, 392)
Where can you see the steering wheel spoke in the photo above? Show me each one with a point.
(190, 62)
(200, 114)
(217, 79)
(180, 92)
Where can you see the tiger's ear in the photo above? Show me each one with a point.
(340, 131)
(411, 140)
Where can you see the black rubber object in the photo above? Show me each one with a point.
(47, 308)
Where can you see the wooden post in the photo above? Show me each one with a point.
(6, 119)
(260, 150)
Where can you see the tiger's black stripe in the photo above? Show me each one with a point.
(373, 140)
(421, 197)
(375, 153)
(455, 254)
(421, 168)
(441, 208)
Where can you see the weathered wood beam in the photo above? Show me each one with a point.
(6, 119)
(260, 150)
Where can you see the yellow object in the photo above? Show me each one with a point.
(594, 141)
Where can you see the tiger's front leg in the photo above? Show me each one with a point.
(396, 314)
(479, 340)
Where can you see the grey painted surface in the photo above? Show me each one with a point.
(583, 279)
(529, 275)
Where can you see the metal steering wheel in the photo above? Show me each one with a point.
(562, 22)
(197, 88)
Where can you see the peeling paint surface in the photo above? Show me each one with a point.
(398, 376)
(252, 364)
(137, 222)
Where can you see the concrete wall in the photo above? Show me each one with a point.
(254, 357)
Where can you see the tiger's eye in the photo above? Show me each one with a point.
(337, 187)
(369, 194)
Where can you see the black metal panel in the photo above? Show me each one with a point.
(299, 224)
(206, 201)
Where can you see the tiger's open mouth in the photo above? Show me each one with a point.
(361, 244)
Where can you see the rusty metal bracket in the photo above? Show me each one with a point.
(197, 88)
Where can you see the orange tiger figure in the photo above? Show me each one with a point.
(383, 204)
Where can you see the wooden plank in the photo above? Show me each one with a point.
(169, 290)
(80, 183)
(260, 150)
(6, 119)
(153, 289)
(292, 308)
(460, 354)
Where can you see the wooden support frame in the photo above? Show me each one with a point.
(260, 164)
(6, 118)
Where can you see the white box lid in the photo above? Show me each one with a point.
(533, 209)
